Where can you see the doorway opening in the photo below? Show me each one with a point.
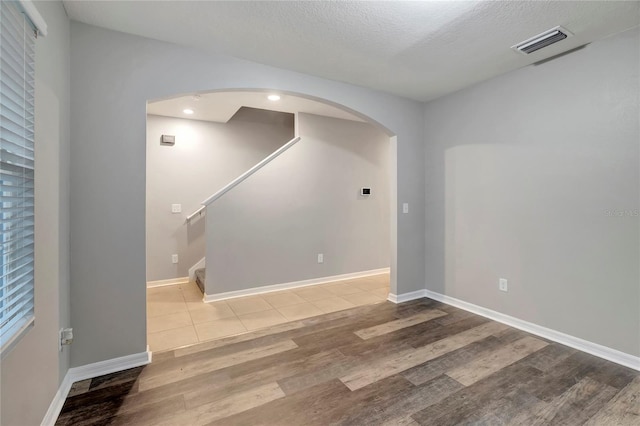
(308, 233)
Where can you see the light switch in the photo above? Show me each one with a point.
(405, 207)
(176, 208)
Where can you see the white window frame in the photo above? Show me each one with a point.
(20, 23)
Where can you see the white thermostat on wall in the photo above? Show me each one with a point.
(168, 140)
(365, 191)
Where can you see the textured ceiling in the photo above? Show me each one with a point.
(420, 50)
(221, 106)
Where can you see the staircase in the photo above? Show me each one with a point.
(200, 275)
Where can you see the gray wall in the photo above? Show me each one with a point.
(271, 227)
(112, 77)
(521, 172)
(205, 158)
(32, 371)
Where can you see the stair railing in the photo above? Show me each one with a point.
(242, 178)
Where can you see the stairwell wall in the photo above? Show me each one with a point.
(205, 158)
(270, 228)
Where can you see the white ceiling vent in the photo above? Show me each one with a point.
(545, 39)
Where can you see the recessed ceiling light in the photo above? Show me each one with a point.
(273, 97)
(188, 111)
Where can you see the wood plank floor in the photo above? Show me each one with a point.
(416, 363)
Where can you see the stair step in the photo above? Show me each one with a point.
(200, 276)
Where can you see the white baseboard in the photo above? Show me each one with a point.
(170, 281)
(405, 297)
(58, 401)
(200, 265)
(294, 284)
(595, 349)
(90, 371)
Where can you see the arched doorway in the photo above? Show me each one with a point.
(199, 107)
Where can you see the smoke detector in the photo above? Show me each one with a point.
(540, 41)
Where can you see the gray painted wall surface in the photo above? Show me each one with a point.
(271, 227)
(112, 77)
(521, 172)
(205, 158)
(32, 371)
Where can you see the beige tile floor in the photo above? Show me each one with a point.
(176, 315)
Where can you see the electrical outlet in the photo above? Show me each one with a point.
(320, 258)
(66, 337)
(503, 285)
(174, 258)
(176, 208)
(405, 208)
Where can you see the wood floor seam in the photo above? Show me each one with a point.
(398, 324)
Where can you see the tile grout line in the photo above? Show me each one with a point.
(237, 317)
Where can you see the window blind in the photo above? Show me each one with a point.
(17, 89)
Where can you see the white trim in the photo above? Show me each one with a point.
(251, 171)
(198, 213)
(294, 284)
(595, 349)
(109, 366)
(32, 13)
(90, 371)
(170, 281)
(58, 401)
(405, 297)
(200, 265)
